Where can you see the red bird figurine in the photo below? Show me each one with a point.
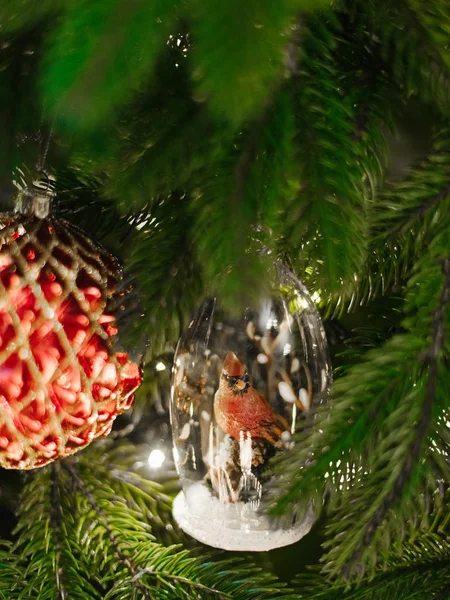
(239, 407)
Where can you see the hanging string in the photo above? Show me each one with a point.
(45, 146)
(35, 197)
(41, 193)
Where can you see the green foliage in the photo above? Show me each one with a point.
(24, 14)
(272, 180)
(434, 19)
(401, 28)
(199, 141)
(121, 542)
(415, 568)
(121, 41)
(79, 200)
(329, 223)
(49, 564)
(115, 38)
(9, 572)
(407, 214)
(168, 143)
(405, 207)
(236, 271)
(237, 62)
(165, 138)
(171, 286)
(21, 110)
(87, 533)
(382, 446)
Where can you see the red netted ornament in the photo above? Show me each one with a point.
(62, 379)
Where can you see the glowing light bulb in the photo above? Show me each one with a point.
(156, 458)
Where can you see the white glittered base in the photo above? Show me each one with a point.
(231, 526)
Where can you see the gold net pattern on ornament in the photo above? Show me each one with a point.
(61, 381)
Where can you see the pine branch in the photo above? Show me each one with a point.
(413, 453)
(27, 14)
(49, 562)
(103, 519)
(327, 226)
(237, 62)
(162, 259)
(165, 147)
(96, 46)
(402, 27)
(434, 20)
(56, 522)
(79, 199)
(404, 584)
(21, 112)
(418, 565)
(443, 593)
(272, 179)
(165, 138)
(226, 207)
(9, 572)
(118, 541)
(116, 464)
(403, 205)
(372, 451)
(404, 219)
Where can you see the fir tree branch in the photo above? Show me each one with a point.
(327, 224)
(10, 573)
(433, 20)
(425, 187)
(404, 219)
(21, 111)
(400, 31)
(165, 139)
(252, 57)
(163, 259)
(49, 561)
(116, 465)
(228, 206)
(125, 560)
(123, 536)
(420, 211)
(431, 359)
(416, 565)
(56, 522)
(405, 382)
(212, 593)
(15, 18)
(79, 199)
(443, 594)
(93, 48)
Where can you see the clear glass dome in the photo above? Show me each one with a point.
(240, 390)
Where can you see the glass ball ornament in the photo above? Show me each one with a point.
(241, 387)
(68, 366)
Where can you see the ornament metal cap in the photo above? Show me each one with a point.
(36, 198)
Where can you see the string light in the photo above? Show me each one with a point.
(156, 458)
